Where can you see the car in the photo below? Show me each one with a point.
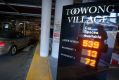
(11, 42)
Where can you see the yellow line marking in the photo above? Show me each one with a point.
(39, 68)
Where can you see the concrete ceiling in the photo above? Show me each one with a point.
(26, 2)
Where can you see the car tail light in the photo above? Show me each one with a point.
(2, 44)
(114, 62)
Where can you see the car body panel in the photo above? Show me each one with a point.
(17, 40)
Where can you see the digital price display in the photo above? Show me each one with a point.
(88, 61)
(91, 44)
(90, 52)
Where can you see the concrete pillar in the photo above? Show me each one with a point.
(45, 27)
(57, 25)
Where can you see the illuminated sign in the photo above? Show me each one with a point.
(88, 61)
(91, 44)
(87, 39)
(89, 52)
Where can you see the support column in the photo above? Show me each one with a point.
(57, 25)
(45, 27)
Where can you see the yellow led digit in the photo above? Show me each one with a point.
(90, 44)
(96, 44)
(87, 60)
(85, 43)
(94, 54)
(92, 63)
(89, 52)
(90, 55)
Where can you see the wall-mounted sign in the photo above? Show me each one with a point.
(88, 33)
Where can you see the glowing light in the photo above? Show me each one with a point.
(87, 61)
(92, 62)
(96, 44)
(85, 43)
(89, 52)
(94, 54)
(89, 55)
(91, 44)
